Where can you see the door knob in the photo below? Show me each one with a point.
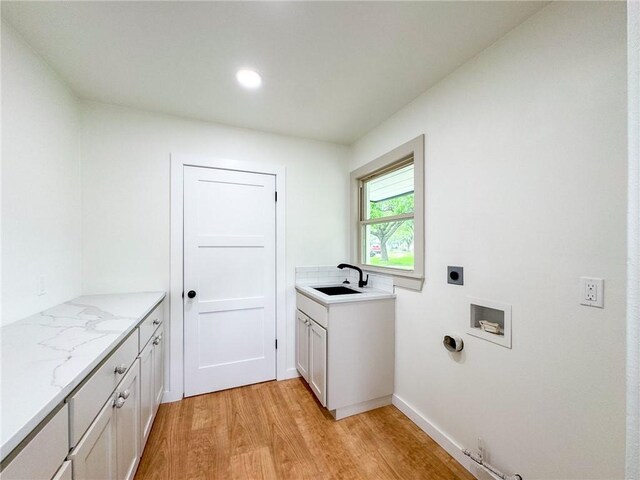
(191, 294)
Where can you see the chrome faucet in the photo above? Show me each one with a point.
(361, 281)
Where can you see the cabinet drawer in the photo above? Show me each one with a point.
(88, 400)
(312, 309)
(149, 325)
(44, 453)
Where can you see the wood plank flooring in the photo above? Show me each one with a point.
(277, 430)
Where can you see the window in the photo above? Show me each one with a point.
(388, 197)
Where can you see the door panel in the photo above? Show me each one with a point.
(229, 261)
(94, 458)
(302, 345)
(219, 267)
(128, 424)
(318, 362)
(158, 367)
(147, 393)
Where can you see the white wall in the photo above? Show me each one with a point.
(40, 183)
(125, 182)
(526, 188)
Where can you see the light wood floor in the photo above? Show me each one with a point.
(277, 430)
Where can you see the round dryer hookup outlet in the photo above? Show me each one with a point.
(453, 343)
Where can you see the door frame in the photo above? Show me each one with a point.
(175, 352)
(633, 242)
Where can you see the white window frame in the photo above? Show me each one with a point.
(412, 279)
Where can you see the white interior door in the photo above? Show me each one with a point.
(230, 271)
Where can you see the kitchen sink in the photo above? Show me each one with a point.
(336, 290)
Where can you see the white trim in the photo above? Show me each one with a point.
(291, 373)
(633, 241)
(175, 357)
(171, 396)
(356, 408)
(440, 437)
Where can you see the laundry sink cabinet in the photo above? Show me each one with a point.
(345, 351)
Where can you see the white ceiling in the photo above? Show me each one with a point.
(331, 70)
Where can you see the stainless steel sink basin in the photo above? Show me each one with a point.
(336, 290)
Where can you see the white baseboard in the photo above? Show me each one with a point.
(441, 438)
(290, 373)
(344, 412)
(171, 396)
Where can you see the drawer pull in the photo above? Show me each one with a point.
(156, 322)
(156, 341)
(119, 402)
(125, 394)
(120, 369)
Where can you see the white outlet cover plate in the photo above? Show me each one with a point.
(598, 283)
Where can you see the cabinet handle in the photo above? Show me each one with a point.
(119, 402)
(156, 341)
(156, 322)
(125, 394)
(120, 369)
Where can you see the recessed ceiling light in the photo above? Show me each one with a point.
(249, 78)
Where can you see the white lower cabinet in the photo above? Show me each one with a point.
(151, 383)
(318, 362)
(127, 405)
(346, 352)
(158, 366)
(113, 444)
(147, 393)
(94, 458)
(311, 355)
(45, 452)
(303, 326)
(109, 449)
(88, 439)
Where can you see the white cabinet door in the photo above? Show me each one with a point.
(128, 423)
(158, 367)
(318, 362)
(94, 458)
(147, 393)
(302, 344)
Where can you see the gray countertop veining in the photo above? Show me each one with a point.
(47, 355)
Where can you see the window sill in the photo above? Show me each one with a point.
(401, 278)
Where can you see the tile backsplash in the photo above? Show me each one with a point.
(319, 275)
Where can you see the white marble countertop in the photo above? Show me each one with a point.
(366, 294)
(47, 355)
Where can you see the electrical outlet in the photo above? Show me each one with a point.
(592, 292)
(42, 285)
